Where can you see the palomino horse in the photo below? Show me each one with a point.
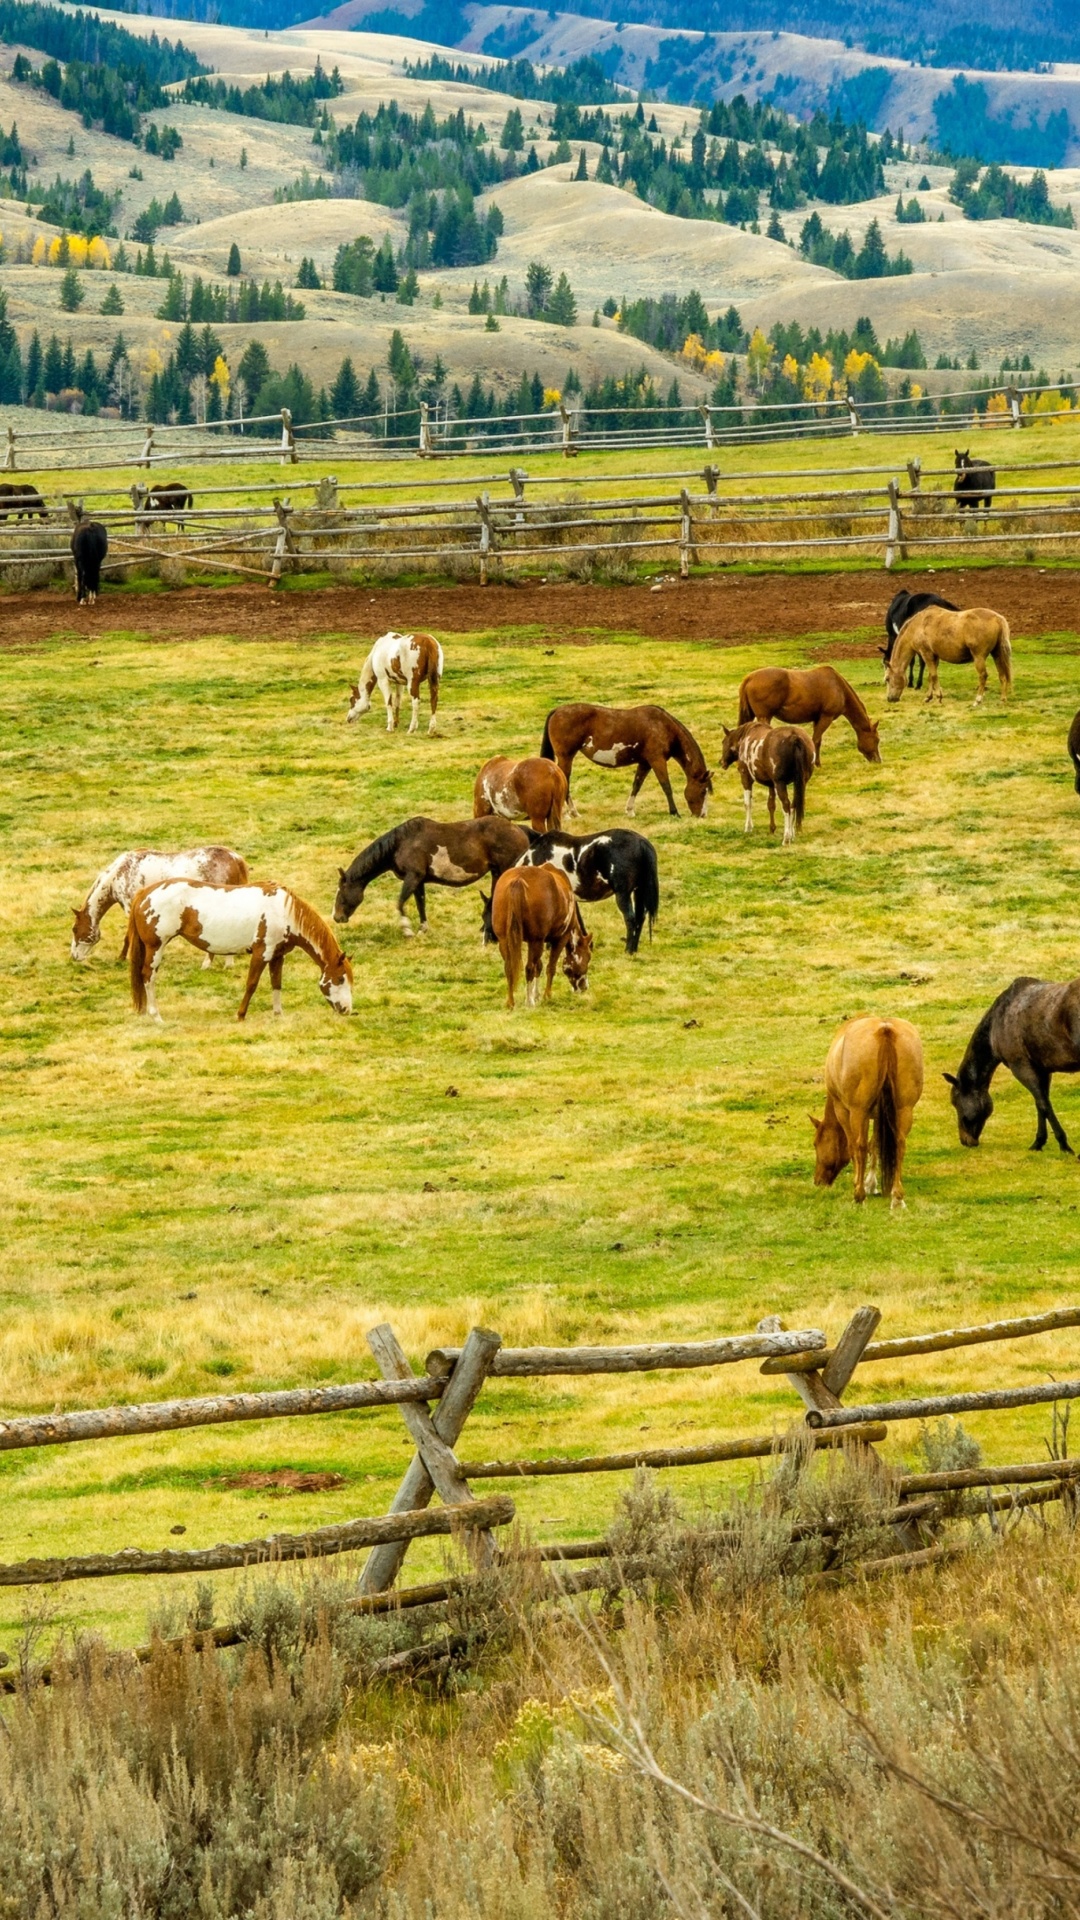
(267, 922)
(531, 790)
(900, 610)
(977, 634)
(775, 757)
(874, 1071)
(117, 885)
(642, 737)
(399, 660)
(813, 697)
(422, 850)
(598, 865)
(1033, 1028)
(535, 907)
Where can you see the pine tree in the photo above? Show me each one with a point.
(345, 392)
(371, 398)
(308, 276)
(234, 268)
(72, 294)
(582, 170)
(384, 269)
(33, 366)
(112, 302)
(53, 369)
(11, 367)
(562, 307)
(512, 139)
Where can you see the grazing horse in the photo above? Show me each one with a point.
(816, 696)
(874, 1072)
(118, 883)
(399, 660)
(422, 850)
(23, 500)
(89, 546)
(1074, 747)
(977, 634)
(775, 757)
(267, 922)
(531, 790)
(900, 610)
(974, 484)
(598, 865)
(645, 737)
(535, 907)
(1033, 1028)
(167, 500)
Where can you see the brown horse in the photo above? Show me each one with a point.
(423, 852)
(645, 737)
(532, 790)
(977, 634)
(874, 1071)
(775, 757)
(814, 697)
(535, 907)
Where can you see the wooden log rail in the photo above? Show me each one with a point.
(909, 1344)
(758, 1448)
(937, 1405)
(525, 1362)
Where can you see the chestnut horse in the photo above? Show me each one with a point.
(874, 1071)
(532, 790)
(813, 697)
(420, 851)
(267, 922)
(977, 634)
(535, 907)
(642, 737)
(775, 757)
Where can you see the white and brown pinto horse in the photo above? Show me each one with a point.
(874, 1072)
(977, 634)
(642, 737)
(117, 885)
(399, 660)
(531, 790)
(534, 907)
(266, 922)
(775, 758)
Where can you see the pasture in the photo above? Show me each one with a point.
(208, 1206)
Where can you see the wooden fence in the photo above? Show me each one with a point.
(436, 1404)
(494, 527)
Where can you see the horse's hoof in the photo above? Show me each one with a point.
(1037, 1146)
(859, 1198)
(897, 1206)
(423, 927)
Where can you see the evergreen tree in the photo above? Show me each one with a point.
(400, 362)
(67, 364)
(512, 139)
(234, 268)
(562, 307)
(371, 398)
(345, 392)
(872, 261)
(172, 307)
(384, 268)
(72, 294)
(11, 367)
(775, 230)
(53, 369)
(308, 276)
(112, 302)
(254, 369)
(582, 170)
(33, 365)
(538, 282)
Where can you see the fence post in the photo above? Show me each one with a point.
(711, 477)
(569, 428)
(686, 529)
(147, 453)
(706, 414)
(483, 508)
(518, 477)
(914, 473)
(894, 537)
(426, 446)
(9, 457)
(283, 509)
(1014, 405)
(139, 497)
(853, 414)
(288, 439)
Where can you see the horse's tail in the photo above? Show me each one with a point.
(513, 938)
(800, 775)
(559, 791)
(547, 751)
(746, 711)
(647, 888)
(1003, 655)
(886, 1135)
(136, 946)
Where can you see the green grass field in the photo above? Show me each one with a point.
(207, 1207)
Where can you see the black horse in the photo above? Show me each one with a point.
(974, 484)
(89, 545)
(598, 865)
(1033, 1028)
(1074, 748)
(421, 850)
(902, 607)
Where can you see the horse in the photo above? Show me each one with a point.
(775, 757)
(420, 851)
(598, 865)
(265, 921)
(974, 484)
(168, 500)
(535, 907)
(645, 737)
(978, 634)
(531, 789)
(89, 545)
(1074, 747)
(118, 883)
(23, 500)
(900, 609)
(874, 1071)
(1033, 1028)
(815, 696)
(399, 660)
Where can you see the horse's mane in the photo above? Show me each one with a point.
(376, 857)
(979, 1058)
(688, 753)
(312, 928)
(852, 699)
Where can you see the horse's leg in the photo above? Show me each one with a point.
(789, 814)
(821, 724)
(748, 801)
(1037, 1082)
(980, 674)
(660, 767)
(414, 697)
(771, 790)
(149, 975)
(433, 689)
(533, 967)
(421, 908)
(858, 1132)
(935, 679)
(410, 885)
(904, 1118)
(255, 974)
(625, 902)
(640, 777)
(276, 965)
(554, 950)
(565, 762)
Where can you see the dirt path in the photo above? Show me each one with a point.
(726, 610)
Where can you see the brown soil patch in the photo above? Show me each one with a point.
(725, 610)
(286, 1480)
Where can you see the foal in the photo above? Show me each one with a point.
(535, 906)
(774, 757)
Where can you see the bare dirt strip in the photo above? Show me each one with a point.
(725, 611)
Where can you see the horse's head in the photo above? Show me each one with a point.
(830, 1148)
(358, 704)
(336, 982)
(349, 895)
(698, 788)
(973, 1109)
(895, 676)
(963, 460)
(487, 925)
(577, 955)
(870, 744)
(729, 752)
(84, 934)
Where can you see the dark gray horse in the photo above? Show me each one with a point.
(1033, 1028)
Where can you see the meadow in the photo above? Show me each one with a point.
(208, 1207)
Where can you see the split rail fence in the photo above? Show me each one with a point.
(494, 526)
(436, 1405)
